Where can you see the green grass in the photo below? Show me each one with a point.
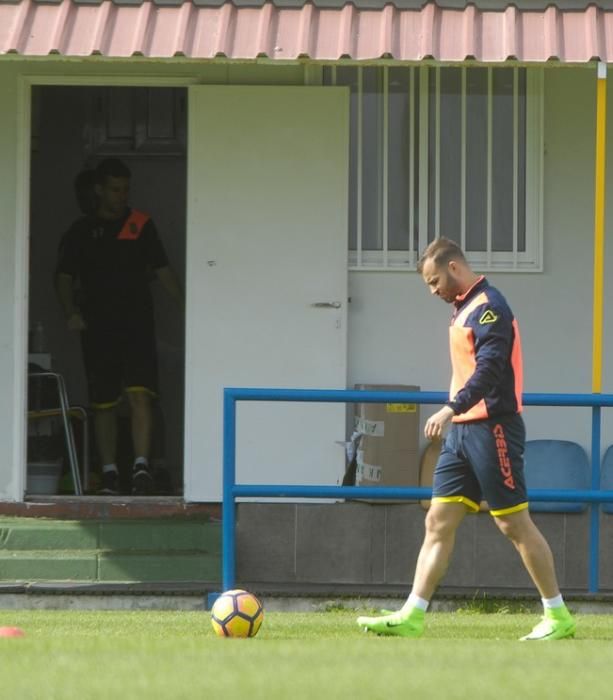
(69, 655)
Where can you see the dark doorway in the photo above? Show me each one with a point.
(73, 128)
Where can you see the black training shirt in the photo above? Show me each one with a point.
(113, 271)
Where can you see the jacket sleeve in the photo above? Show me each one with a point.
(493, 336)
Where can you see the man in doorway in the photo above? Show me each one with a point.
(113, 254)
(482, 454)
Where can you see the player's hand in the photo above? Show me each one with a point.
(437, 422)
(75, 322)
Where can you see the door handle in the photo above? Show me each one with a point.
(326, 305)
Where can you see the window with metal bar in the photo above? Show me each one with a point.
(449, 151)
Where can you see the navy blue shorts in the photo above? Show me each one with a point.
(483, 460)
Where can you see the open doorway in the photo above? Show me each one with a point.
(73, 129)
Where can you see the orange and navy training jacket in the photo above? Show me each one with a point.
(485, 356)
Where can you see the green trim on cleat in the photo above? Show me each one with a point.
(395, 624)
(556, 623)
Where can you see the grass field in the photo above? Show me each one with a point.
(70, 655)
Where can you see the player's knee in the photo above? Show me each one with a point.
(507, 528)
(438, 526)
(515, 528)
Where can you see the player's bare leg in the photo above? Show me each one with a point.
(533, 550)
(105, 426)
(536, 555)
(442, 522)
(142, 421)
(142, 426)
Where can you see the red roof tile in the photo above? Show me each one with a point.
(30, 28)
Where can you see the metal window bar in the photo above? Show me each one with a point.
(490, 146)
(420, 152)
(515, 166)
(232, 490)
(359, 162)
(540, 77)
(437, 152)
(411, 241)
(423, 164)
(463, 208)
(385, 169)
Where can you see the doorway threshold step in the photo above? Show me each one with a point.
(115, 507)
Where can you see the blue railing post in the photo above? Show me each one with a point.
(594, 552)
(228, 516)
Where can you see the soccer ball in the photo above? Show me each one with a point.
(237, 613)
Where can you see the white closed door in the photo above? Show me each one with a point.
(266, 280)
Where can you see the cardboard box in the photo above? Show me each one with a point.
(389, 448)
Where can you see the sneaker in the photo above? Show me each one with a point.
(142, 481)
(109, 484)
(556, 623)
(395, 624)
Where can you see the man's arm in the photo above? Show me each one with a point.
(157, 259)
(170, 282)
(65, 293)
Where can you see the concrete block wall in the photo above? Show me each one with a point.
(373, 545)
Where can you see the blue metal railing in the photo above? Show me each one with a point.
(232, 490)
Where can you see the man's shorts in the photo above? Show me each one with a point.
(483, 460)
(117, 360)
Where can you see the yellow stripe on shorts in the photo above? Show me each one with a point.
(508, 511)
(471, 505)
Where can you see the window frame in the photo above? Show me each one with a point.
(530, 260)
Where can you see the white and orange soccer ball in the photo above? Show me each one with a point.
(237, 613)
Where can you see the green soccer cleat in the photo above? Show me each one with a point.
(556, 623)
(395, 624)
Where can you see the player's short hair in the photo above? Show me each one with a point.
(111, 167)
(441, 251)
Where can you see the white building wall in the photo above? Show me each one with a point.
(397, 333)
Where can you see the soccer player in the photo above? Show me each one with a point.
(113, 253)
(482, 454)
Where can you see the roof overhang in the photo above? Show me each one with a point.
(307, 32)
